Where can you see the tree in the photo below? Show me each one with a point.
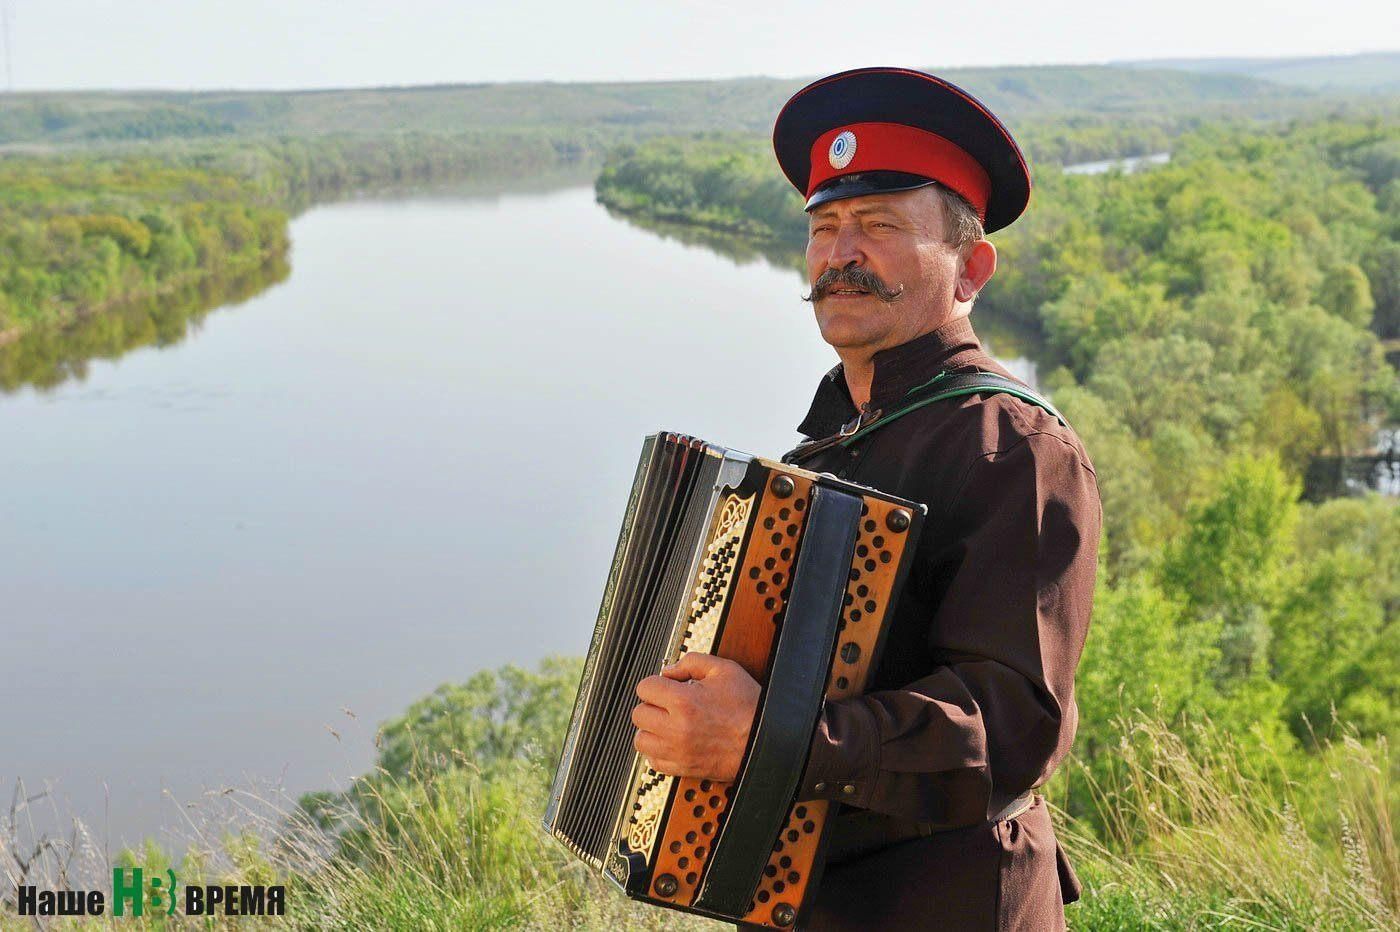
(1230, 562)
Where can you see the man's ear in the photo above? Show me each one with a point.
(978, 264)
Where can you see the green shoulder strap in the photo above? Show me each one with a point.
(944, 386)
(941, 387)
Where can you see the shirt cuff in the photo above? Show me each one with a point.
(844, 758)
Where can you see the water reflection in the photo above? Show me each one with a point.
(739, 249)
(1375, 471)
(1128, 164)
(50, 356)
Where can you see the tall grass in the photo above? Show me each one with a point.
(1198, 837)
(1187, 834)
(452, 849)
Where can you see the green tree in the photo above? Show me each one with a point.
(1230, 563)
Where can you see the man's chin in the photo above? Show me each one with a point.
(847, 331)
(848, 338)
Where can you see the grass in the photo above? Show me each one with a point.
(1195, 834)
(1199, 835)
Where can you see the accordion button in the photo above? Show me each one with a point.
(849, 789)
(820, 788)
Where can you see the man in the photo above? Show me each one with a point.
(972, 704)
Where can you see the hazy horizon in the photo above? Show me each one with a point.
(309, 45)
(231, 89)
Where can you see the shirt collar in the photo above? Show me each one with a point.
(897, 370)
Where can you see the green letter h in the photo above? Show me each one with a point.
(122, 891)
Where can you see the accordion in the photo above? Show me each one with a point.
(790, 574)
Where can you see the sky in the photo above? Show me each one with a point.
(285, 44)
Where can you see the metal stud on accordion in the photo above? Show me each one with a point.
(792, 575)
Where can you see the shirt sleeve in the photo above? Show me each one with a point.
(1011, 585)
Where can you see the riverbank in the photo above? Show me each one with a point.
(725, 184)
(183, 281)
(89, 231)
(84, 234)
(47, 356)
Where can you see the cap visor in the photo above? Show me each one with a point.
(860, 183)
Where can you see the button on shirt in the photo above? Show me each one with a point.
(972, 701)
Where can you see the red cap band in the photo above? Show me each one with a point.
(900, 148)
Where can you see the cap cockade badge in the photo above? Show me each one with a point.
(843, 149)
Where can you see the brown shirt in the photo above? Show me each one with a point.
(972, 702)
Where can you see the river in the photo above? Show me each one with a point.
(400, 464)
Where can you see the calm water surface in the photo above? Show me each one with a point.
(403, 464)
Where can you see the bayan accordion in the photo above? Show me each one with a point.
(787, 572)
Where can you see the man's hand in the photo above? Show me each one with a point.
(694, 719)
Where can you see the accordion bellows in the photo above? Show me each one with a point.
(792, 575)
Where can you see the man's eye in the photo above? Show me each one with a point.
(881, 223)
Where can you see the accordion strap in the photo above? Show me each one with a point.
(941, 387)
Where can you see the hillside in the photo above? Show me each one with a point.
(627, 108)
(1368, 72)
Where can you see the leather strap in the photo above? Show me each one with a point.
(941, 387)
(788, 713)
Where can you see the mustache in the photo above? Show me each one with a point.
(856, 277)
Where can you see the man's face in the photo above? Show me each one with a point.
(897, 238)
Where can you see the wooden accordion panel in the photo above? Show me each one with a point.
(788, 573)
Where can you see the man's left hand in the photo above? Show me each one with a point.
(694, 719)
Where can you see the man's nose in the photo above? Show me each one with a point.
(845, 249)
